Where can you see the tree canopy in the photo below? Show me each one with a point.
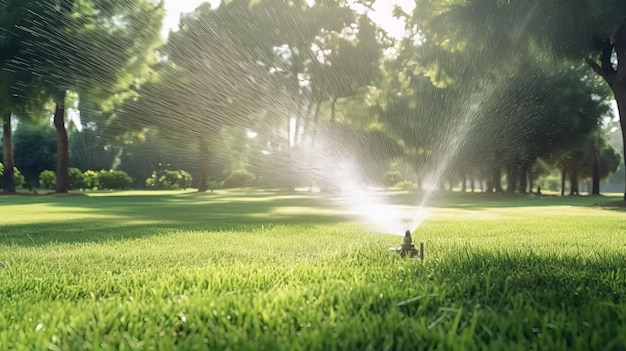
(485, 91)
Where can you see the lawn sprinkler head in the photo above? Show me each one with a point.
(408, 249)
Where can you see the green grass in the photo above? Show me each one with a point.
(254, 270)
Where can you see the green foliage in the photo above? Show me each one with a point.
(18, 93)
(91, 147)
(552, 183)
(77, 178)
(239, 179)
(18, 178)
(91, 179)
(474, 99)
(169, 180)
(47, 179)
(114, 180)
(261, 270)
(35, 150)
(610, 161)
(391, 178)
(405, 185)
(106, 46)
(501, 38)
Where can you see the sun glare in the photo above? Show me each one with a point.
(379, 215)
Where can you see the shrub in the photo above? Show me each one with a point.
(115, 180)
(18, 178)
(552, 183)
(47, 179)
(391, 178)
(91, 179)
(239, 179)
(152, 182)
(169, 180)
(405, 185)
(77, 178)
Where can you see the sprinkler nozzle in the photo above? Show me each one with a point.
(408, 249)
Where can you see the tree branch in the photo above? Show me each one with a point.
(620, 49)
(605, 67)
(594, 65)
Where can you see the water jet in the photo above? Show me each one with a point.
(407, 249)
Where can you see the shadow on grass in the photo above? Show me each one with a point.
(618, 205)
(118, 217)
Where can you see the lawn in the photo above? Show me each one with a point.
(255, 270)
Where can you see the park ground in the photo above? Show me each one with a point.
(259, 270)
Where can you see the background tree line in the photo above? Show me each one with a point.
(477, 93)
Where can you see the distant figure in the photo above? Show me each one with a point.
(538, 190)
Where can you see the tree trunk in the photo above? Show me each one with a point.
(511, 177)
(333, 109)
(463, 183)
(305, 123)
(595, 180)
(8, 182)
(472, 187)
(522, 174)
(203, 164)
(563, 175)
(620, 98)
(315, 123)
(619, 83)
(573, 181)
(496, 175)
(615, 76)
(63, 152)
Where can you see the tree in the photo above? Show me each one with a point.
(97, 48)
(91, 148)
(16, 86)
(37, 151)
(233, 66)
(593, 31)
(502, 74)
(598, 162)
(347, 64)
(200, 77)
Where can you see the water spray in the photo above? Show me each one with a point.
(407, 249)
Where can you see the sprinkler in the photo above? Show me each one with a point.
(408, 249)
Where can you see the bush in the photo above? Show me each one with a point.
(77, 178)
(18, 178)
(391, 178)
(47, 179)
(552, 183)
(91, 179)
(115, 180)
(169, 180)
(405, 185)
(239, 179)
